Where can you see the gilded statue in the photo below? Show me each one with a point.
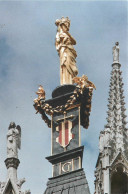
(41, 95)
(64, 46)
(13, 140)
(116, 50)
(83, 82)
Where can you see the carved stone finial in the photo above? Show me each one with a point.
(116, 50)
(20, 182)
(13, 140)
(64, 46)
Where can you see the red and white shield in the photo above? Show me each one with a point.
(65, 135)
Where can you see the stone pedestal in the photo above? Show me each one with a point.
(68, 174)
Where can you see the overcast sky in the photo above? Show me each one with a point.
(28, 58)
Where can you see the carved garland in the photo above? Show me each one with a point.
(44, 108)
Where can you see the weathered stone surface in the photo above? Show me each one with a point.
(13, 140)
(13, 185)
(113, 141)
(12, 162)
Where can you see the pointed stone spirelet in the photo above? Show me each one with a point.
(116, 119)
(113, 140)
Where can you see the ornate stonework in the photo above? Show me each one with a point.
(12, 162)
(115, 52)
(113, 141)
(120, 161)
(13, 184)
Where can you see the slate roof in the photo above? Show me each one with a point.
(71, 183)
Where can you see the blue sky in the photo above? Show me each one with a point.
(28, 58)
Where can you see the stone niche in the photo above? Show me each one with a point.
(119, 182)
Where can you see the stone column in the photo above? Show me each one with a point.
(106, 181)
(106, 170)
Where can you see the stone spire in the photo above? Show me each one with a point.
(113, 140)
(116, 117)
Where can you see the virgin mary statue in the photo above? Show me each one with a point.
(66, 51)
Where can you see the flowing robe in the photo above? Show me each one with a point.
(67, 53)
(12, 143)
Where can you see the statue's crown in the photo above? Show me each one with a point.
(63, 20)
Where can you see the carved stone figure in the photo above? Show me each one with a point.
(13, 140)
(116, 50)
(66, 51)
(83, 82)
